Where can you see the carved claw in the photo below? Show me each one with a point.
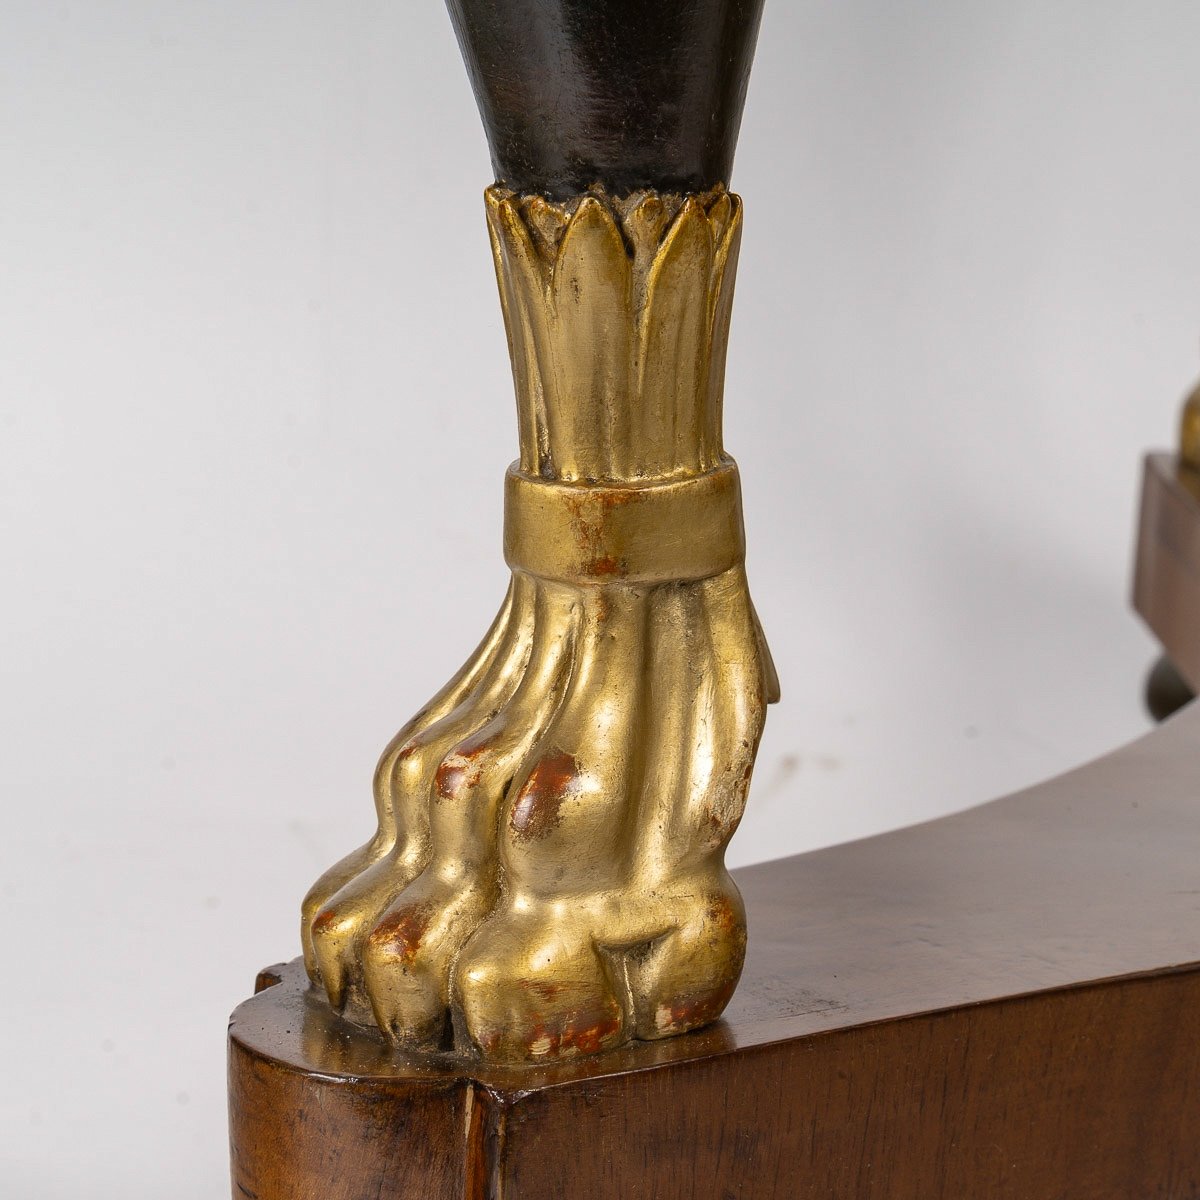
(341, 907)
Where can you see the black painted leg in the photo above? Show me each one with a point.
(1166, 690)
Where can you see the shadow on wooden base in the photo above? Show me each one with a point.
(1003, 1004)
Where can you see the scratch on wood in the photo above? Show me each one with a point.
(485, 1117)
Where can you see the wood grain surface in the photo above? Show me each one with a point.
(1002, 1003)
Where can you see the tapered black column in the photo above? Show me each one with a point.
(625, 93)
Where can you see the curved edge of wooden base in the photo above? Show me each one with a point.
(296, 1133)
(1089, 1091)
(1002, 1004)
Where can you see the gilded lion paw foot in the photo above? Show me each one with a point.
(549, 879)
(547, 876)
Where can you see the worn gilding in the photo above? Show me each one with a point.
(547, 877)
(1189, 440)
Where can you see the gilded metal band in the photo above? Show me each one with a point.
(665, 531)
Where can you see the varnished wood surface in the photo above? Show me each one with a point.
(1002, 1003)
(1166, 589)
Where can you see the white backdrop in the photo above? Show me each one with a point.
(255, 411)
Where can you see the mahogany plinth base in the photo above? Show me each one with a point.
(1002, 1005)
(1166, 583)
